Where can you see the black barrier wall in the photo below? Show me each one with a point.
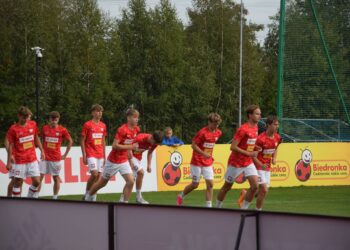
(47, 224)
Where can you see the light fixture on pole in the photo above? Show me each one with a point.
(38, 56)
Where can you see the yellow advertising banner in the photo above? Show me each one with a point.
(307, 164)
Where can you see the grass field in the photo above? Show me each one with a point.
(333, 200)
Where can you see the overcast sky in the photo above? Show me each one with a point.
(259, 11)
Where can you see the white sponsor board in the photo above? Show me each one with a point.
(74, 175)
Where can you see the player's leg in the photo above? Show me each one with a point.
(126, 172)
(43, 171)
(93, 169)
(10, 187)
(196, 175)
(263, 189)
(208, 174)
(252, 175)
(129, 183)
(95, 187)
(33, 171)
(139, 174)
(264, 182)
(55, 169)
(230, 176)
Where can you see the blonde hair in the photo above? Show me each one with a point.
(132, 112)
(96, 107)
(214, 117)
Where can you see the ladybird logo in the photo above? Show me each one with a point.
(303, 166)
(171, 171)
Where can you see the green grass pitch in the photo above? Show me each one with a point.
(334, 200)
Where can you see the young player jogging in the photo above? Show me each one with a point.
(240, 161)
(118, 160)
(93, 145)
(268, 141)
(52, 136)
(202, 159)
(22, 138)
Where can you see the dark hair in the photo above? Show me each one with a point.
(54, 114)
(96, 107)
(271, 119)
(158, 136)
(24, 111)
(251, 108)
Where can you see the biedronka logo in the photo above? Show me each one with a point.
(308, 168)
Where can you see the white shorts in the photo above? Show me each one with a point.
(137, 165)
(110, 169)
(95, 164)
(26, 170)
(50, 167)
(264, 177)
(196, 172)
(232, 172)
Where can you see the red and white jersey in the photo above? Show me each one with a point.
(205, 140)
(246, 136)
(94, 134)
(52, 138)
(23, 140)
(142, 141)
(269, 146)
(125, 136)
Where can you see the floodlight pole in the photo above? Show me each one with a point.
(281, 64)
(240, 67)
(38, 56)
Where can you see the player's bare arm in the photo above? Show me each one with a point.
(82, 145)
(234, 147)
(69, 146)
(40, 146)
(104, 148)
(130, 156)
(199, 151)
(9, 156)
(117, 146)
(149, 160)
(259, 163)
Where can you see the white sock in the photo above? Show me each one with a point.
(138, 194)
(258, 209)
(94, 197)
(33, 192)
(182, 195)
(88, 197)
(245, 204)
(121, 198)
(86, 192)
(219, 204)
(55, 197)
(208, 204)
(16, 192)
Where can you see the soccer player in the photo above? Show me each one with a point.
(22, 138)
(93, 146)
(169, 139)
(268, 141)
(145, 142)
(240, 161)
(118, 160)
(6, 142)
(202, 159)
(52, 136)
